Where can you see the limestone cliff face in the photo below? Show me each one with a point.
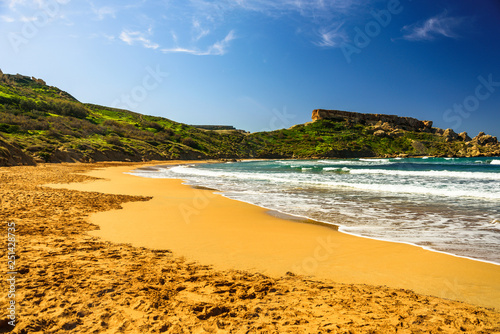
(391, 126)
(484, 139)
(403, 123)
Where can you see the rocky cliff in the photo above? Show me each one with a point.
(403, 123)
(391, 126)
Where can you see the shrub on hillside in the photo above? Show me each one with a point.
(113, 140)
(188, 141)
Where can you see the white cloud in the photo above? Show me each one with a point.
(437, 26)
(13, 3)
(174, 36)
(322, 18)
(28, 19)
(311, 8)
(219, 48)
(181, 50)
(7, 19)
(102, 12)
(133, 37)
(199, 32)
(332, 37)
(41, 11)
(193, 23)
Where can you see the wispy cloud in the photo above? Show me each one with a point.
(440, 25)
(323, 18)
(193, 23)
(174, 36)
(137, 37)
(332, 37)
(26, 19)
(199, 31)
(219, 48)
(311, 8)
(39, 12)
(111, 11)
(7, 19)
(103, 12)
(12, 4)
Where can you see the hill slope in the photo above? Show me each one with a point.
(41, 123)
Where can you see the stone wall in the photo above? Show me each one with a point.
(214, 127)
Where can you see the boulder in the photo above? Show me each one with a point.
(473, 151)
(464, 136)
(484, 139)
(438, 131)
(427, 125)
(387, 127)
(450, 135)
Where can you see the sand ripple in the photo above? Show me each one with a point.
(70, 281)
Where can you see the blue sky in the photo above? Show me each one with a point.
(264, 64)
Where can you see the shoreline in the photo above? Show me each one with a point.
(336, 227)
(429, 249)
(70, 280)
(245, 242)
(308, 220)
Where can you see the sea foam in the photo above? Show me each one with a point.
(441, 204)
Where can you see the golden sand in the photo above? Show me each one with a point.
(72, 281)
(229, 234)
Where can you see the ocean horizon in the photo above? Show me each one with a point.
(449, 205)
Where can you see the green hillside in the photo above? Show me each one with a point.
(50, 125)
(40, 123)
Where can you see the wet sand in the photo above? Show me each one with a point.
(228, 234)
(70, 280)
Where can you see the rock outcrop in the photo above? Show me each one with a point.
(403, 123)
(484, 139)
(11, 155)
(391, 126)
(450, 135)
(464, 136)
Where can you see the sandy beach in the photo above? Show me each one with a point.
(110, 252)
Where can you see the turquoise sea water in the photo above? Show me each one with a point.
(444, 204)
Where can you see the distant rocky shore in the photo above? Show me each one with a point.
(392, 126)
